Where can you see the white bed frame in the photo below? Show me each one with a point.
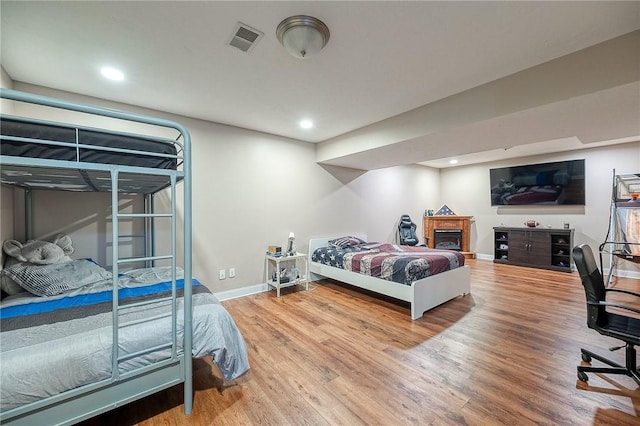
(423, 294)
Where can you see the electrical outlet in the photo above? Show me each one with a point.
(221, 274)
(232, 272)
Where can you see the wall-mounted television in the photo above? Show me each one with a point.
(558, 183)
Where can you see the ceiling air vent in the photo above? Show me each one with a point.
(244, 37)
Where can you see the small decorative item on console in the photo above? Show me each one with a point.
(275, 251)
(532, 223)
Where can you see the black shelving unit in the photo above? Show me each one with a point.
(501, 244)
(561, 250)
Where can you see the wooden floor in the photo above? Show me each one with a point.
(506, 354)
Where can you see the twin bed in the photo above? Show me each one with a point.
(421, 276)
(74, 346)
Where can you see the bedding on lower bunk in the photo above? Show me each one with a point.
(398, 263)
(53, 344)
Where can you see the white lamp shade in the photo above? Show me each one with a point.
(303, 42)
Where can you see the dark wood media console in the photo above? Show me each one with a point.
(545, 248)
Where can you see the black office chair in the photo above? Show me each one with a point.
(407, 231)
(606, 323)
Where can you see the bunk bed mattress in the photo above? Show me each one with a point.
(401, 264)
(61, 133)
(54, 344)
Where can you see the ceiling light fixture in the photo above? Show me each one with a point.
(454, 161)
(302, 36)
(112, 74)
(306, 124)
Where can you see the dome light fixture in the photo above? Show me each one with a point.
(306, 124)
(303, 36)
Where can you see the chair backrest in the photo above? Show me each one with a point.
(593, 284)
(407, 231)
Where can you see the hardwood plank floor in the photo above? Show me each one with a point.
(505, 354)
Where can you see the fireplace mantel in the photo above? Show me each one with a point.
(432, 223)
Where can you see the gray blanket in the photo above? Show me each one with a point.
(53, 344)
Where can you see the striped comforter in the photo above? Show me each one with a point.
(53, 344)
(401, 264)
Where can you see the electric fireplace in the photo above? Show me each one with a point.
(447, 239)
(451, 232)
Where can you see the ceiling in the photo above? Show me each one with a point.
(383, 61)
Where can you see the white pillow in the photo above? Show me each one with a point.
(9, 286)
(49, 280)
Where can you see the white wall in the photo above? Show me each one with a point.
(86, 217)
(6, 192)
(250, 190)
(466, 190)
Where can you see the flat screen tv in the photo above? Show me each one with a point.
(559, 183)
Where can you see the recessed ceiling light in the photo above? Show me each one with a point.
(454, 161)
(112, 73)
(306, 124)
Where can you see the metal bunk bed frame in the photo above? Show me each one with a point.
(622, 187)
(122, 387)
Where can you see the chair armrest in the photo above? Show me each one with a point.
(615, 305)
(617, 290)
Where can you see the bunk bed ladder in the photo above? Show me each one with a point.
(149, 229)
(118, 309)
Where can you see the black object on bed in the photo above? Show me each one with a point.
(21, 128)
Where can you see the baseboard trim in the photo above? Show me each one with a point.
(484, 256)
(241, 292)
(623, 273)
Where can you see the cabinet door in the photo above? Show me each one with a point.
(518, 246)
(540, 248)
